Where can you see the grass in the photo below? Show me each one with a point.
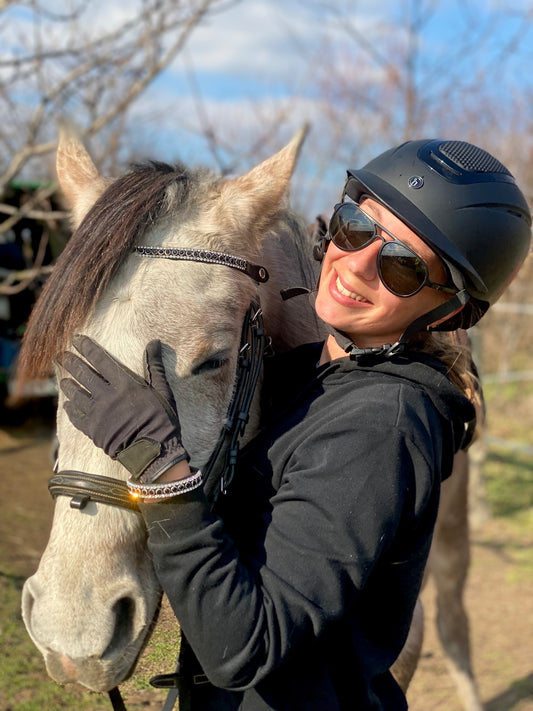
(24, 684)
(509, 482)
(508, 470)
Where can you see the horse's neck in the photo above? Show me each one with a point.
(287, 254)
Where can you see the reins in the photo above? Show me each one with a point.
(83, 487)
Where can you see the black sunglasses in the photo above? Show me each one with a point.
(400, 269)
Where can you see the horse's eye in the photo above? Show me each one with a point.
(210, 364)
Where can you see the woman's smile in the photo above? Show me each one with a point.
(347, 292)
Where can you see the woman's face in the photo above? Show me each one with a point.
(351, 297)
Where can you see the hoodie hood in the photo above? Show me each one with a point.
(294, 373)
(428, 373)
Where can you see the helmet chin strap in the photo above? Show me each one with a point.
(387, 350)
(422, 323)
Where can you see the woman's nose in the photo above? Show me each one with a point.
(364, 262)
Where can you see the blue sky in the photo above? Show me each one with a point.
(261, 55)
(264, 58)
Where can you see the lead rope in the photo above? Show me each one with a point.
(116, 699)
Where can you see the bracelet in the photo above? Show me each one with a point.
(164, 491)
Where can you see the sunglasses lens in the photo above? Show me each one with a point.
(350, 228)
(401, 270)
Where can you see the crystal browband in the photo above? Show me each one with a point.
(255, 271)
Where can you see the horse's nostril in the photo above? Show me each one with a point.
(124, 612)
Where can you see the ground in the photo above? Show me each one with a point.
(499, 598)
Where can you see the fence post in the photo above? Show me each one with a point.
(478, 508)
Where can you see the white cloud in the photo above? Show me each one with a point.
(271, 40)
(250, 37)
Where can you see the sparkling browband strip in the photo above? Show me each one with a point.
(167, 490)
(255, 271)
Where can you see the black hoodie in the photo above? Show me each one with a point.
(298, 591)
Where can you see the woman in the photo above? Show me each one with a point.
(298, 590)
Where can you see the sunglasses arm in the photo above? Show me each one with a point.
(442, 287)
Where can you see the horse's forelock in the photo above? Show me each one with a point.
(132, 204)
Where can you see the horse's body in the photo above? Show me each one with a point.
(91, 603)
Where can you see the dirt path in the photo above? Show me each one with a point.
(499, 594)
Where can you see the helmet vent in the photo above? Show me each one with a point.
(471, 158)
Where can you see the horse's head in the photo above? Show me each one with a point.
(89, 606)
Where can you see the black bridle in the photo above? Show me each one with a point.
(218, 473)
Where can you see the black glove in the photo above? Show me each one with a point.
(132, 420)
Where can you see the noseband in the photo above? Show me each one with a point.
(219, 470)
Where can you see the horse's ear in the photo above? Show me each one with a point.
(78, 177)
(257, 196)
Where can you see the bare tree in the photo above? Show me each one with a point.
(426, 68)
(59, 64)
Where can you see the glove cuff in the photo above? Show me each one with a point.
(147, 459)
(172, 452)
(140, 454)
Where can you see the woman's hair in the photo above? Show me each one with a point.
(453, 349)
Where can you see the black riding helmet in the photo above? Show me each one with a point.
(464, 204)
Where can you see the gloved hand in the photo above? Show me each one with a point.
(132, 420)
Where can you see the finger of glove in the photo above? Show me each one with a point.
(76, 416)
(82, 420)
(77, 397)
(156, 372)
(83, 373)
(103, 362)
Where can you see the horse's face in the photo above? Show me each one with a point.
(196, 311)
(89, 606)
